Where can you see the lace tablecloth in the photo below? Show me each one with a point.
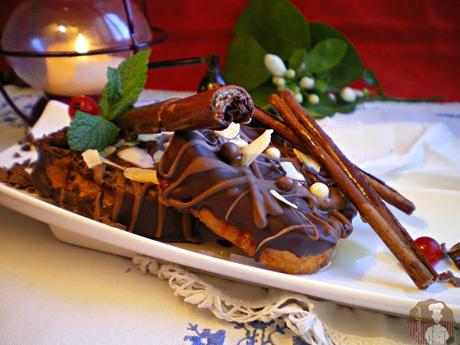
(54, 293)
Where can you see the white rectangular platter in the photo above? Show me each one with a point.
(363, 273)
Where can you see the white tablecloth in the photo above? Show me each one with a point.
(55, 293)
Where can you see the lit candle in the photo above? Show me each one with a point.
(79, 75)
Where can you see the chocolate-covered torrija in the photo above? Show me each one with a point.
(239, 202)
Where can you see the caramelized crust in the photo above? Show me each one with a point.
(279, 260)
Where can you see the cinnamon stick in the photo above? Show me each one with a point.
(213, 109)
(371, 208)
(387, 193)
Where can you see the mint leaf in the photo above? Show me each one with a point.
(125, 85)
(351, 66)
(325, 55)
(111, 93)
(87, 131)
(277, 25)
(245, 63)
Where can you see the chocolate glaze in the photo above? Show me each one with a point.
(104, 194)
(197, 178)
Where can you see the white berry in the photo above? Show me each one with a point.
(313, 99)
(320, 190)
(275, 65)
(274, 153)
(278, 81)
(348, 95)
(307, 83)
(290, 73)
(298, 96)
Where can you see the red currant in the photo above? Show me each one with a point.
(430, 248)
(83, 103)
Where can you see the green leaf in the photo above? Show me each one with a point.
(87, 131)
(297, 59)
(133, 75)
(320, 85)
(261, 93)
(277, 25)
(325, 55)
(350, 68)
(111, 93)
(245, 63)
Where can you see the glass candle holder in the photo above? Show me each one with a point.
(64, 47)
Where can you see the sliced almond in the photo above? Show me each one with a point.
(141, 175)
(112, 164)
(136, 156)
(308, 161)
(157, 156)
(91, 158)
(291, 171)
(282, 198)
(253, 150)
(108, 151)
(123, 142)
(148, 136)
(230, 132)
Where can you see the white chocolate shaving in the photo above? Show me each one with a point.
(91, 158)
(253, 150)
(274, 153)
(282, 198)
(141, 175)
(308, 161)
(291, 171)
(230, 132)
(320, 190)
(136, 156)
(239, 142)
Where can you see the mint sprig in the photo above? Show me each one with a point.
(124, 85)
(87, 131)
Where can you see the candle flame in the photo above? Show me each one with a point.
(81, 44)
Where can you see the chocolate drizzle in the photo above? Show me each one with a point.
(195, 177)
(104, 194)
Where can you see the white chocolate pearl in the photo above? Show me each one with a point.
(274, 153)
(307, 83)
(313, 99)
(348, 95)
(320, 190)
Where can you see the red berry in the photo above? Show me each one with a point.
(83, 103)
(430, 248)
